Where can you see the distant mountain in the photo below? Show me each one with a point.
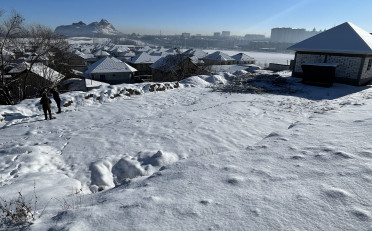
(102, 28)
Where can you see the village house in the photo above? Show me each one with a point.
(100, 54)
(117, 50)
(200, 54)
(39, 77)
(173, 68)
(139, 50)
(344, 51)
(242, 58)
(80, 61)
(142, 63)
(126, 55)
(111, 70)
(218, 58)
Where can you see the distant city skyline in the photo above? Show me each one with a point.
(170, 17)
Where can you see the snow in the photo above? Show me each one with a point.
(190, 158)
(262, 58)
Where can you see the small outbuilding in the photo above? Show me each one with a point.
(218, 58)
(242, 58)
(346, 47)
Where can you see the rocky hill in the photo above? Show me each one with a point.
(102, 28)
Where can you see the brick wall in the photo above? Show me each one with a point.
(307, 58)
(348, 67)
(366, 73)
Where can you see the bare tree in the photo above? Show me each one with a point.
(11, 29)
(48, 48)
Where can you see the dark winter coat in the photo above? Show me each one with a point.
(45, 102)
(56, 95)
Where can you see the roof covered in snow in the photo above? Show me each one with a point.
(143, 58)
(127, 54)
(81, 54)
(196, 52)
(101, 53)
(38, 69)
(168, 62)
(109, 65)
(143, 49)
(218, 55)
(118, 48)
(242, 57)
(345, 38)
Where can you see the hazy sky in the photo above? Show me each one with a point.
(197, 16)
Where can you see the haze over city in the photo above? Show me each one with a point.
(193, 16)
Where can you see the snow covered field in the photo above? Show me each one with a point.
(190, 158)
(262, 58)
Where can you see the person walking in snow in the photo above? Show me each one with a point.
(56, 98)
(45, 102)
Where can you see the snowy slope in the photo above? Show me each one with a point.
(189, 158)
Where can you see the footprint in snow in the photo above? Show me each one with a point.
(361, 214)
(337, 194)
(366, 154)
(343, 155)
(235, 180)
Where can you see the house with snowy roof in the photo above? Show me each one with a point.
(242, 58)
(173, 68)
(142, 63)
(79, 61)
(125, 55)
(101, 53)
(345, 48)
(38, 76)
(195, 52)
(117, 50)
(218, 58)
(142, 49)
(111, 70)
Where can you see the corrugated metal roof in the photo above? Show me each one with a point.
(109, 65)
(345, 38)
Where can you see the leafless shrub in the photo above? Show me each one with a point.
(16, 212)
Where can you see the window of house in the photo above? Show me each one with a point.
(369, 64)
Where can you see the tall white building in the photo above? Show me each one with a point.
(225, 33)
(289, 35)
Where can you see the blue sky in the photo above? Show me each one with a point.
(197, 16)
